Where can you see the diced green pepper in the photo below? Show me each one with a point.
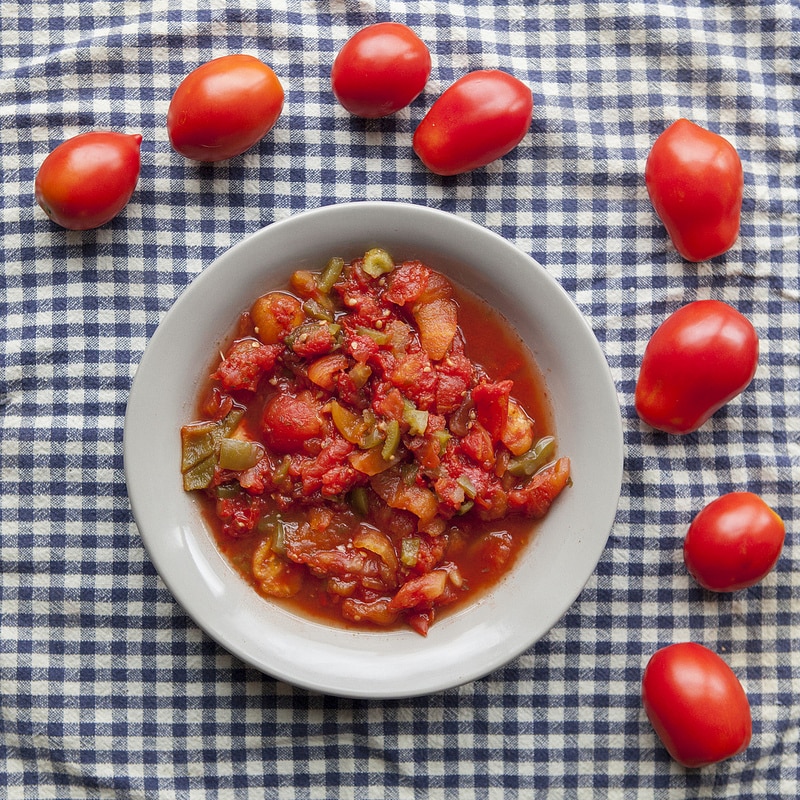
(417, 420)
(468, 486)
(316, 310)
(392, 441)
(377, 262)
(537, 457)
(379, 337)
(409, 551)
(200, 475)
(329, 275)
(238, 455)
(199, 445)
(281, 472)
(359, 500)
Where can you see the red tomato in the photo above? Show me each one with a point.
(223, 108)
(701, 356)
(696, 704)
(478, 119)
(289, 422)
(380, 70)
(733, 542)
(695, 181)
(87, 180)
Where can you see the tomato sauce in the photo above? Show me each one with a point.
(375, 445)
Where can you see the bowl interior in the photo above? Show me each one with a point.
(479, 637)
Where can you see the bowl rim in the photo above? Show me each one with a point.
(405, 677)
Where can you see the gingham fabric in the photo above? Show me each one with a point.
(107, 689)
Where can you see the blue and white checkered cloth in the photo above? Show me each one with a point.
(107, 689)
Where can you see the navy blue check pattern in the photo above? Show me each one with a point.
(107, 690)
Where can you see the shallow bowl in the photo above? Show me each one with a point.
(468, 643)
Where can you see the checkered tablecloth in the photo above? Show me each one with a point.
(107, 689)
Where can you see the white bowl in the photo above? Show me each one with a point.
(477, 638)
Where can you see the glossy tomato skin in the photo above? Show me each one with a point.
(733, 542)
(698, 359)
(224, 107)
(380, 69)
(479, 118)
(696, 704)
(695, 181)
(88, 179)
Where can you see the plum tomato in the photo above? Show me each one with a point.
(380, 69)
(696, 704)
(733, 542)
(479, 118)
(88, 179)
(695, 181)
(698, 359)
(224, 107)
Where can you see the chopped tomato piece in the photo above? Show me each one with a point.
(245, 364)
(536, 497)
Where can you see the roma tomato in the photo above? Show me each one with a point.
(223, 108)
(88, 179)
(700, 357)
(696, 704)
(380, 70)
(695, 181)
(733, 542)
(479, 118)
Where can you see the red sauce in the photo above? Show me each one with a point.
(369, 452)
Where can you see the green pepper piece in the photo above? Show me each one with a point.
(417, 420)
(200, 475)
(409, 551)
(359, 500)
(200, 441)
(238, 455)
(329, 275)
(316, 310)
(537, 457)
(392, 441)
(468, 486)
(377, 262)
(282, 470)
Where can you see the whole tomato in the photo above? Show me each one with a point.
(695, 181)
(88, 179)
(479, 118)
(733, 542)
(380, 70)
(699, 358)
(223, 108)
(696, 704)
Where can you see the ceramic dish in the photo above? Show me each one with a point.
(477, 638)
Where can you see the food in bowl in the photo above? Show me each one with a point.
(375, 444)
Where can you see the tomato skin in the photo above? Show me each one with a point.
(479, 118)
(88, 179)
(699, 358)
(224, 107)
(695, 181)
(289, 422)
(733, 542)
(380, 69)
(696, 704)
